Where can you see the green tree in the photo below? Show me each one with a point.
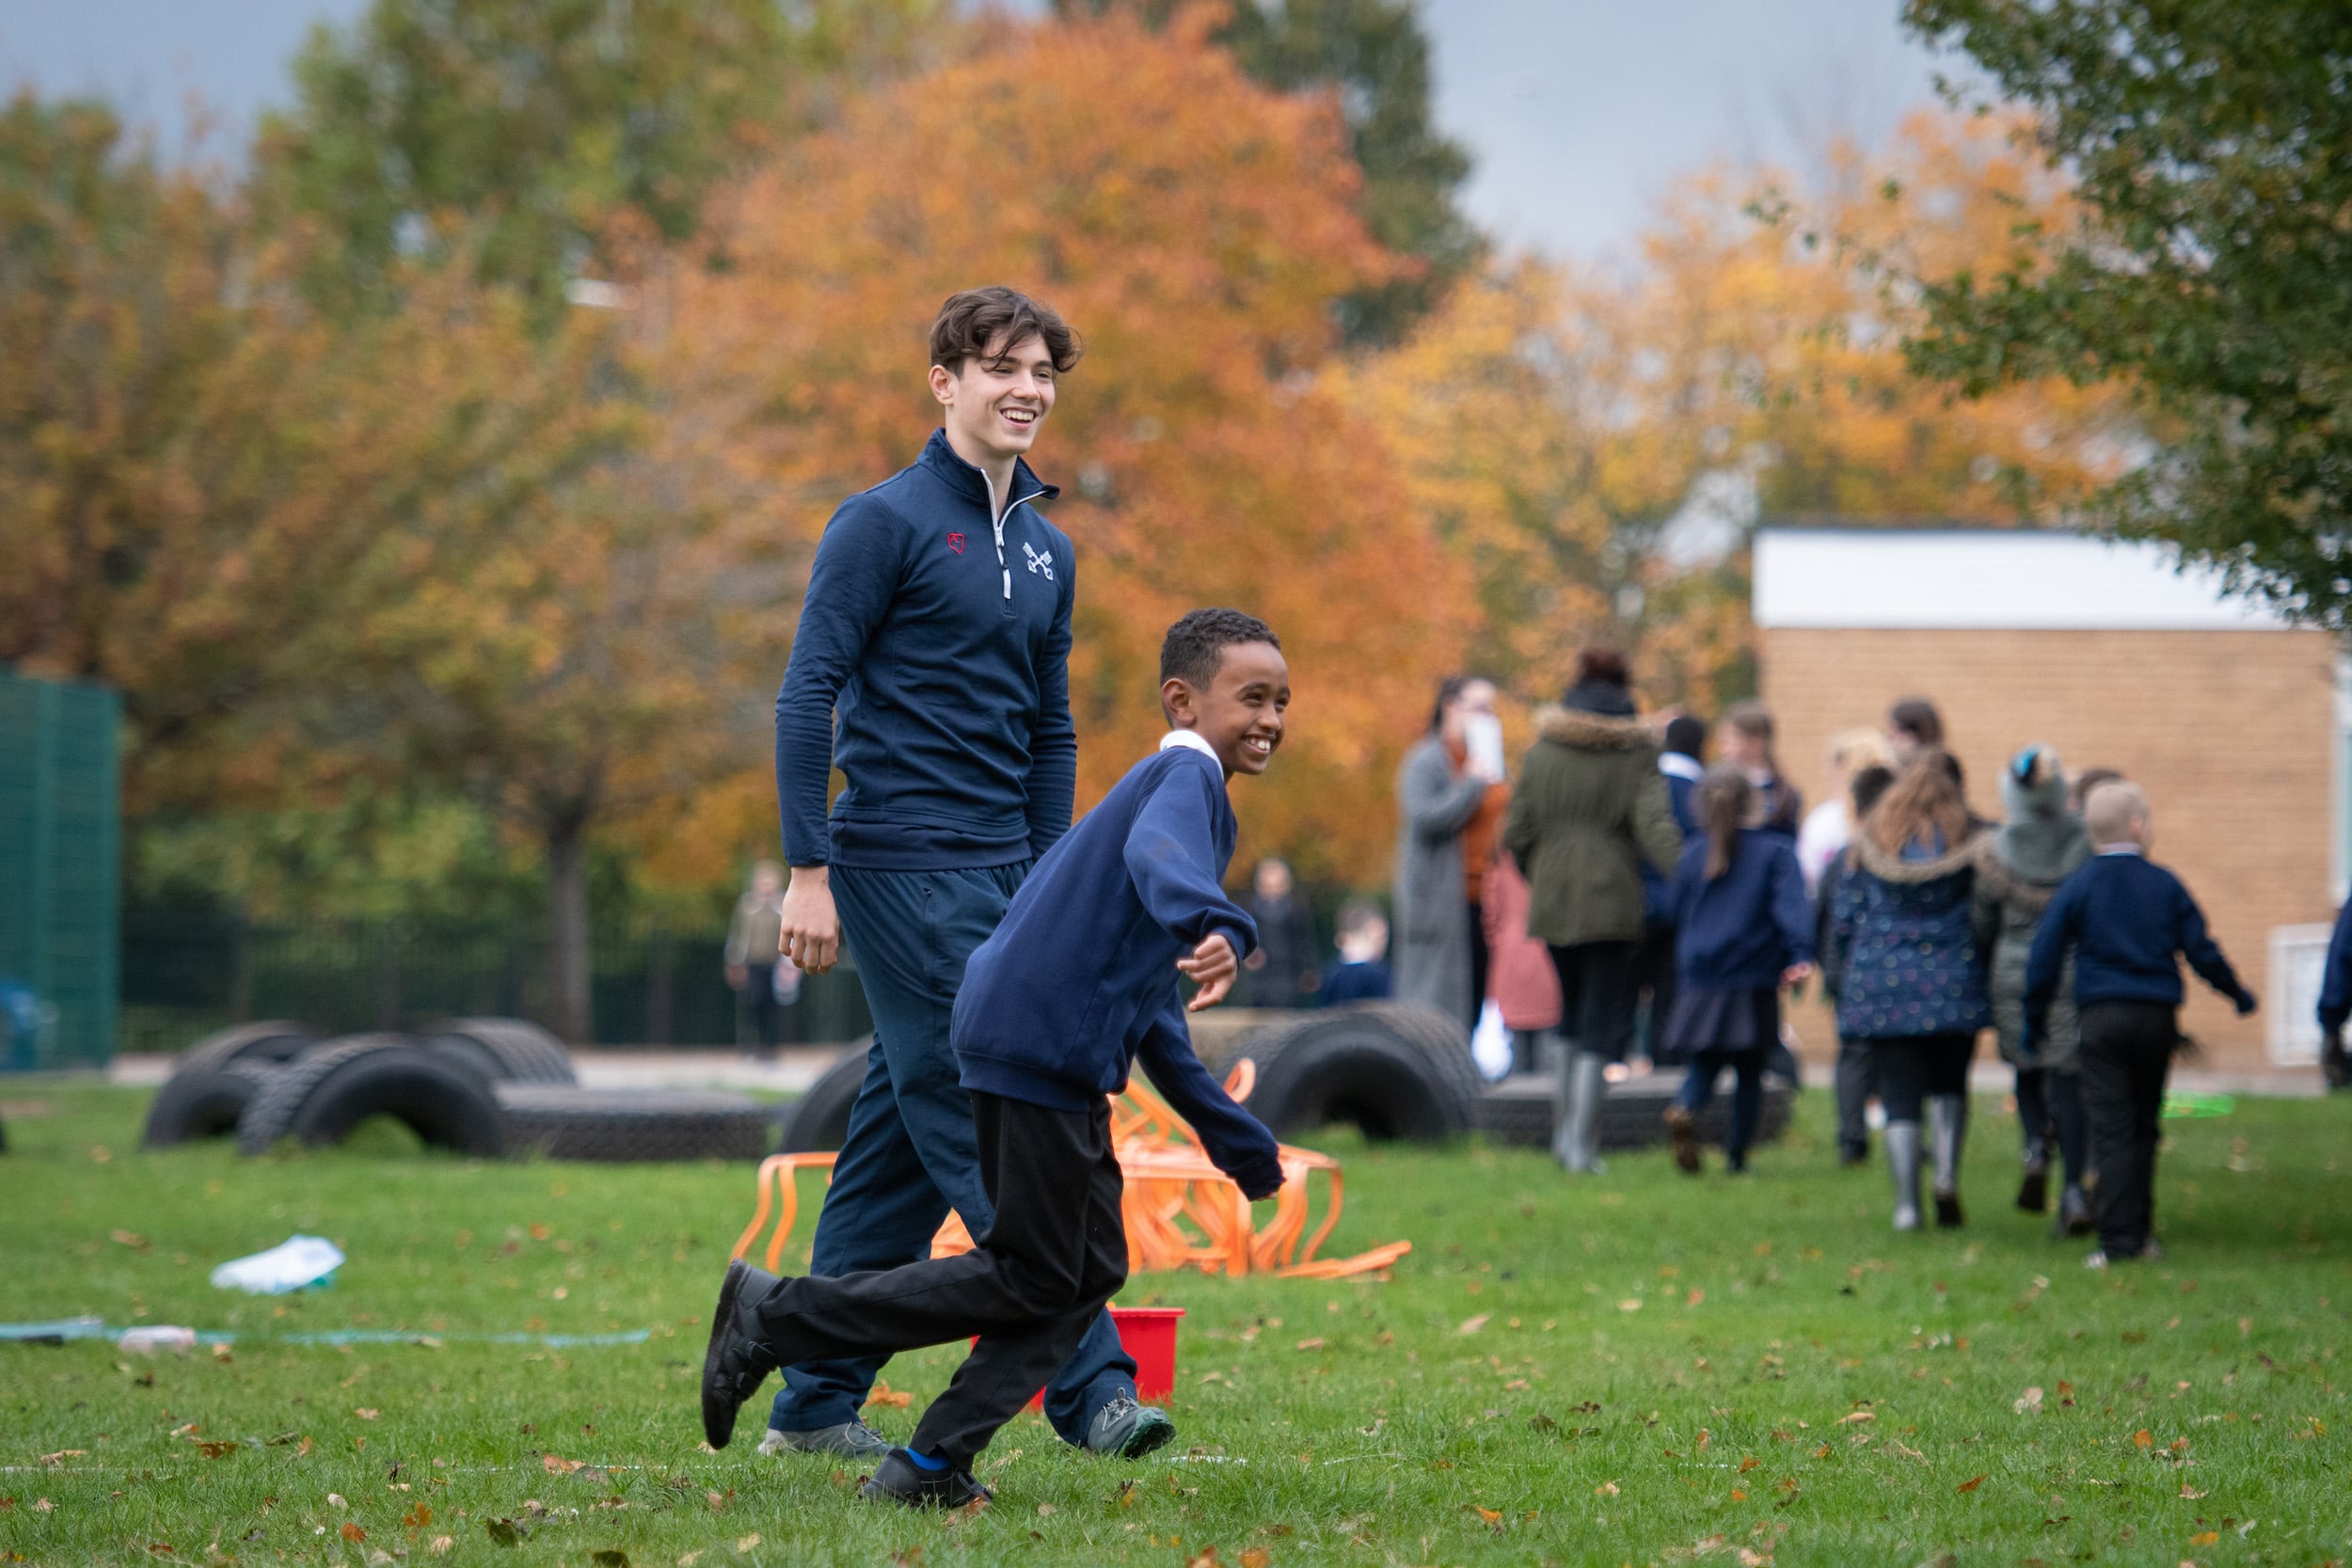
(1375, 56)
(2212, 146)
(537, 125)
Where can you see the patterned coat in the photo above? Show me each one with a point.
(1911, 966)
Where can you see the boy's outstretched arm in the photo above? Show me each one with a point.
(1171, 857)
(1237, 1141)
(2204, 954)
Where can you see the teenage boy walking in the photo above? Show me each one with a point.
(2129, 922)
(931, 667)
(1078, 981)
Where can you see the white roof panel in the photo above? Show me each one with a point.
(1989, 579)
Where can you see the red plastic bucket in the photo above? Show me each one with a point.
(1148, 1335)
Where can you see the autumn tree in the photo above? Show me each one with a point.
(1595, 448)
(1372, 57)
(209, 483)
(2204, 270)
(523, 130)
(1194, 238)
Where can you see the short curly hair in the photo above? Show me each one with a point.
(1196, 644)
(976, 320)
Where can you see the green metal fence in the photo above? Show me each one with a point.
(60, 872)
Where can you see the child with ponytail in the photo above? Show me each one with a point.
(1744, 929)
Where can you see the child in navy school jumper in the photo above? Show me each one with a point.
(1078, 982)
(2335, 1002)
(1360, 972)
(1744, 928)
(2129, 922)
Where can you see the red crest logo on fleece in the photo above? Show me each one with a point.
(955, 542)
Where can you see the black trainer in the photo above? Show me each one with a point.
(736, 1362)
(900, 1480)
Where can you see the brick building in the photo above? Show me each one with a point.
(2234, 721)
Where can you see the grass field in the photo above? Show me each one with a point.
(1635, 1369)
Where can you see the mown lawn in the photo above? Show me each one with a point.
(1637, 1369)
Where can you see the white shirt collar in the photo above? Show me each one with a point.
(1193, 739)
(2125, 847)
(1676, 765)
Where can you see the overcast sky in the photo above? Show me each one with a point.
(1575, 111)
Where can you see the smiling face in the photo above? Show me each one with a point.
(994, 402)
(1240, 711)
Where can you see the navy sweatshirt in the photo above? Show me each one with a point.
(1682, 788)
(2335, 984)
(943, 649)
(2126, 919)
(1079, 980)
(1741, 930)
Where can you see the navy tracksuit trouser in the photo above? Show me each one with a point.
(912, 1152)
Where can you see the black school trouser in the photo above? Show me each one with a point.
(1030, 1289)
(2127, 1051)
(1911, 1068)
(1596, 997)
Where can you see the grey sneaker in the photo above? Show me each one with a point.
(1125, 1430)
(900, 1480)
(851, 1439)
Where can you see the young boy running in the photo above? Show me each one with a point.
(2129, 922)
(1078, 981)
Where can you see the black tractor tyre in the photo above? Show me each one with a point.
(203, 1103)
(558, 1123)
(321, 1096)
(272, 1041)
(502, 1050)
(819, 1119)
(1395, 1070)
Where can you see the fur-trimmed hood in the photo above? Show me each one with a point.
(1590, 732)
(2000, 879)
(1893, 869)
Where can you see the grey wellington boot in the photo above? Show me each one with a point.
(1947, 1134)
(1902, 1166)
(1574, 1141)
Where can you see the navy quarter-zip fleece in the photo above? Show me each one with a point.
(931, 665)
(1080, 979)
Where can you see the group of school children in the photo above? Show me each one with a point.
(1927, 926)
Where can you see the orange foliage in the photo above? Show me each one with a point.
(1594, 449)
(1196, 235)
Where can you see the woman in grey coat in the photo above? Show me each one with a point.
(2018, 871)
(1446, 793)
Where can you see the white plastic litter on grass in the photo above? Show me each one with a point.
(292, 1264)
(148, 1339)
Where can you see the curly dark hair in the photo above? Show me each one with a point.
(975, 319)
(1196, 644)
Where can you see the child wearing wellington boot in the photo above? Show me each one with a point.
(2128, 922)
(1078, 982)
(1744, 928)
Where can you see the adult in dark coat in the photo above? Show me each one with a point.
(1591, 805)
(1282, 973)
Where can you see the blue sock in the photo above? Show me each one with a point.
(925, 1462)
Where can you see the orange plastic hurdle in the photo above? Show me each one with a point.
(1179, 1209)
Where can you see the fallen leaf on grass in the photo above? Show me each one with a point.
(419, 1516)
(1471, 1325)
(443, 1543)
(1750, 1462)
(1821, 1452)
(1316, 1343)
(745, 1542)
(2209, 1538)
(885, 1395)
(2190, 1492)
(214, 1451)
(1208, 1558)
(1605, 1489)
(351, 1532)
(1852, 1417)
(556, 1464)
(62, 1455)
(1255, 1557)
(1493, 1517)
(2028, 1402)
(2143, 1437)
(910, 1556)
(1542, 1423)
(125, 1238)
(1972, 1483)
(335, 1500)
(1630, 1303)
(367, 1413)
(42, 1505)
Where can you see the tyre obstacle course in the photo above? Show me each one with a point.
(483, 1088)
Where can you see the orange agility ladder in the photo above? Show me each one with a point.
(1179, 1209)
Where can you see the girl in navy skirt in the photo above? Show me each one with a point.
(1744, 928)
